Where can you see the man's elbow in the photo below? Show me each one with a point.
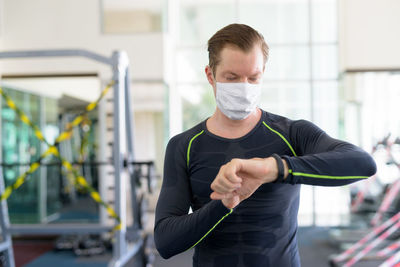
(161, 245)
(365, 164)
(163, 251)
(370, 166)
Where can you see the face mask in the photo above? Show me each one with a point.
(237, 100)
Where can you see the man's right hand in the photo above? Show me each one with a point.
(240, 178)
(231, 202)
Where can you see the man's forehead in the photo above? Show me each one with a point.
(235, 61)
(233, 49)
(237, 66)
(236, 54)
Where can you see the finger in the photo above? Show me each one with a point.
(216, 186)
(222, 184)
(232, 176)
(228, 185)
(219, 196)
(222, 188)
(232, 168)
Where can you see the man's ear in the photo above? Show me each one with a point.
(210, 76)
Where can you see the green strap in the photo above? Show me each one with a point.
(190, 144)
(187, 163)
(326, 176)
(281, 136)
(209, 231)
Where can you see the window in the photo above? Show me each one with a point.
(300, 78)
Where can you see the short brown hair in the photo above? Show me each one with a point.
(240, 35)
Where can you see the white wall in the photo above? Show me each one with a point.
(369, 34)
(70, 24)
(47, 24)
(76, 24)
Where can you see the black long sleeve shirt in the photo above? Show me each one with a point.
(261, 230)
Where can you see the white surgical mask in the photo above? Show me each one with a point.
(237, 100)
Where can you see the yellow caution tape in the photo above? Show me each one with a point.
(19, 182)
(111, 212)
(22, 115)
(63, 136)
(77, 121)
(82, 181)
(39, 135)
(24, 177)
(91, 106)
(34, 166)
(7, 193)
(67, 165)
(10, 103)
(24, 118)
(96, 196)
(52, 150)
(117, 227)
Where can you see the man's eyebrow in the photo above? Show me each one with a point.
(256, 73)
(229, 72)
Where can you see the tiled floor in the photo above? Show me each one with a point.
(314, 245)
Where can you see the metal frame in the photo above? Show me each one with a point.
(122, 252)
(5, 244)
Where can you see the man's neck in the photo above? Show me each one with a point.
(222, 126)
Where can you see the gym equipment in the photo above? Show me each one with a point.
(65, 242)
(374, 236)
(382, 241)
(89, 245)
(122, 145)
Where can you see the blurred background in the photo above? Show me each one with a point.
(333, 62)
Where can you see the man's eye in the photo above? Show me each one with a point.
(231, 78)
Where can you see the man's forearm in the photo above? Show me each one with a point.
(175, 234)
(334, 168)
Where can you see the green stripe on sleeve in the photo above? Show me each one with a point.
(190, 144)
(326, 176)
(281, 136)
(209, 231)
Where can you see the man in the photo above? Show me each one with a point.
(240, 170)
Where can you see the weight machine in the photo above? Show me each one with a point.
(123, 152)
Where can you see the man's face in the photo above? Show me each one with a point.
(236, 66)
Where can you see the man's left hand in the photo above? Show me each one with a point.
(240, 178)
